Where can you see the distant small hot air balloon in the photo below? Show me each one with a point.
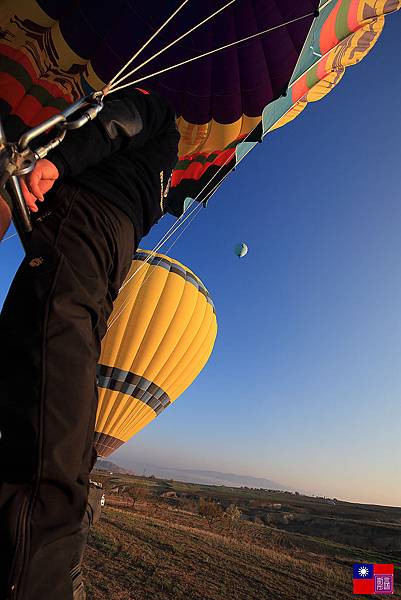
(161, 334)
(240, 249)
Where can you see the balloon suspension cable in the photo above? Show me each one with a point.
(173, 229)
(195, 211)
(152, 37)
(152, 253)
(190, 209)
(9, 237)
(324, 5)
(209, 53)
(111, 84)
(190, 212)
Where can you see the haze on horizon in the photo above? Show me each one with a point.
(304, 383)
(150, 454)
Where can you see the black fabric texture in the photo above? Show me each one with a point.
(123, 153)
(51, 327)
(92, 515)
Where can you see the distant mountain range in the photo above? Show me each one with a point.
(194, 475)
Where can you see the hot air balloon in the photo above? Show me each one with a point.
(161, 334)
(240, 249)
(233, 69)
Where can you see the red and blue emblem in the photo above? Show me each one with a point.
(373, 579)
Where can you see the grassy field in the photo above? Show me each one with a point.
(159, 550)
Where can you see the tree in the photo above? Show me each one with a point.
(210, 510)
(137, 493)
(232, 515)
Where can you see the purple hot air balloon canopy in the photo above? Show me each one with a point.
(239, 82)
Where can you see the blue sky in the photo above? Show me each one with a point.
(304, 384)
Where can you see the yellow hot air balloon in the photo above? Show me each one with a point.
(161, 334)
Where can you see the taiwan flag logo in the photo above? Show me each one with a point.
(373, 579)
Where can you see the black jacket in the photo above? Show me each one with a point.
(126, 154)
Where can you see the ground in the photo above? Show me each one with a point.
(163, 549)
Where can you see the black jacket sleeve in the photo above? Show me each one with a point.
(128, 120)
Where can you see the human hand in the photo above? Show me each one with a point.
(39, 181)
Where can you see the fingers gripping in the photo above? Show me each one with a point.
(39, 181)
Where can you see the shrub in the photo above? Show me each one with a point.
(210, 510)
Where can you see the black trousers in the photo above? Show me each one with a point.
(51, 327)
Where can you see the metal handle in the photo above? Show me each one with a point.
(20, 208)
(21, 159)
(61, 119)
(81, 103)
(89, 115)
(44, 150)
(33, 133)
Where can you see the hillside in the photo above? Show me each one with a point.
(159, 547)
(193, 475)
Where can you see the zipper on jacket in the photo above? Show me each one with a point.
(19, 559)
(164, 191)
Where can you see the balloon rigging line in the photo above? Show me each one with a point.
(165, 48)
(153, 57)
(194, 58)
(9, 237)
(180, 64)
(173, 229)
(152, 253)
(147, 43)
(324, 5)
(114, 86)
(180, 221)
(195, 211)
(178, 224)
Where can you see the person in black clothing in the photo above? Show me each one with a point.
(102, 189)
